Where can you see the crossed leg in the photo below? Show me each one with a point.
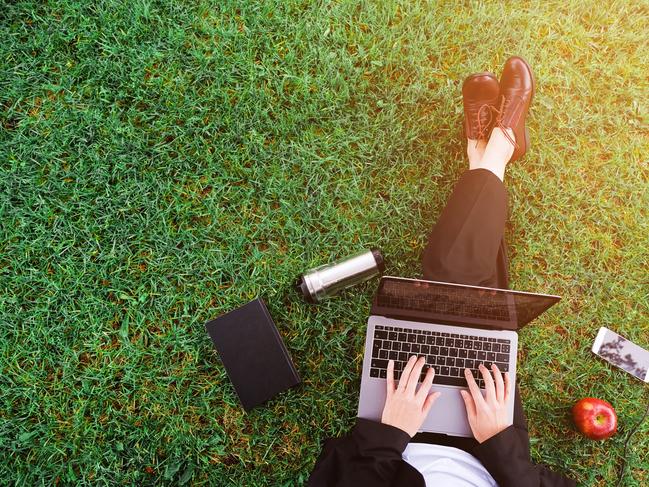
(467, 245)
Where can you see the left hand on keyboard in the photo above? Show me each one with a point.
(406, 407)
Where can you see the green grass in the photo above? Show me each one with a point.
(166, 161)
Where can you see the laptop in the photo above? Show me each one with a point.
(454, 326)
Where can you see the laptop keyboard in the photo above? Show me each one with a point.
(448, 353)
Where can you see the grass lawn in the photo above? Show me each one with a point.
(164, 161)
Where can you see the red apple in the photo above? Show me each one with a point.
(595, 418)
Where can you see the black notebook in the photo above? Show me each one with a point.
(253, 353)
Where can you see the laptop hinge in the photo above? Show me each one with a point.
(440, 322)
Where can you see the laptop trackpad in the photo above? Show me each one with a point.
(448, 414)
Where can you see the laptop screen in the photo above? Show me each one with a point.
(459, 304)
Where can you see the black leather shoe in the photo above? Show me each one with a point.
(480, 93)
(516, 93)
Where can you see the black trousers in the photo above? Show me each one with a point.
(467, 246)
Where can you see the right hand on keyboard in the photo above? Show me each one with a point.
(406, 407)
(487, 415)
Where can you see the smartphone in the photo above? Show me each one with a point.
(622, 353)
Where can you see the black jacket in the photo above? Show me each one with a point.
(371, 456)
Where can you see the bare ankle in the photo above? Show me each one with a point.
(503, 142)
(498, 152)
(475, 150)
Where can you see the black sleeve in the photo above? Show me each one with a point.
(369, 455)
(508, 463)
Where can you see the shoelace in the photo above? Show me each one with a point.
(499, 122)
(482, 130)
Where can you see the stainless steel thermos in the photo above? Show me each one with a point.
(324, 281)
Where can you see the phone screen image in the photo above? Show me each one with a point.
(625, 354)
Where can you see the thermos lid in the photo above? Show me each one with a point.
(380, 263)
(301, 287)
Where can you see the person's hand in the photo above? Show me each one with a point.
(487, 415)
(405, 407)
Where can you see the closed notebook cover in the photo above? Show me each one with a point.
(253, 353)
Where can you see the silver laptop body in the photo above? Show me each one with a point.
(425, 317)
